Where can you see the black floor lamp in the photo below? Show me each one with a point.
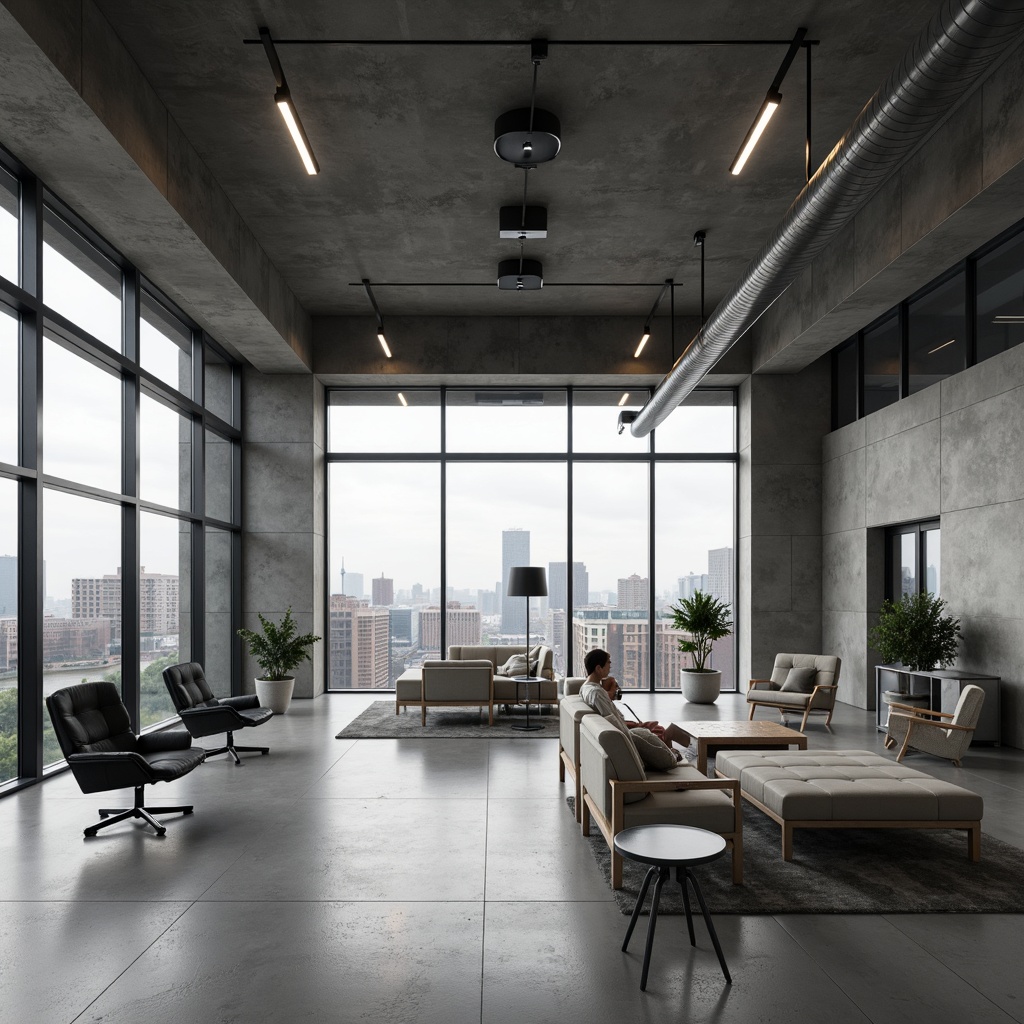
(528, 581)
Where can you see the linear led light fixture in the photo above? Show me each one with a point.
(401, 398)
(623, 399)
(938, 348)
(645, 337)
(380, 319)
(283, 99)
(771, 103)
(1008, 318)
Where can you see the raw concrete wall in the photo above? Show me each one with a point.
(782, 421)
(283, 519)
(954, 450)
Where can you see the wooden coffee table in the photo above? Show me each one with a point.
(759, 735)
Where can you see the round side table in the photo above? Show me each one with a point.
(665, 847)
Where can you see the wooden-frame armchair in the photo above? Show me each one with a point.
(818, 676)
(941, 733)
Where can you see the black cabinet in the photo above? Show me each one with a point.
(939, 690)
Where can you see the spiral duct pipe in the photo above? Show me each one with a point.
(957, 46)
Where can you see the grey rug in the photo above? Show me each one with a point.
(842, 871)
(379, 722)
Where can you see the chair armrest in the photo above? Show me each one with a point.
(620, 788)
(920, 711)
(110, 769)
(218, 718)
(938, 725)
(244, 702)
(759, 684)
(166, 739)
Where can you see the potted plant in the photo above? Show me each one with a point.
(277, 650)
(914, 634)
(704, 619)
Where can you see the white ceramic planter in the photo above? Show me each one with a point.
(700, 687)
(275, 694)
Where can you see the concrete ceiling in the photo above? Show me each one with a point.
(410, 188)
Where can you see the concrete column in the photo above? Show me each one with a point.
(283, 511)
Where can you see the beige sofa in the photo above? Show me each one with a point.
(506, 690)
(441, 684)
(619, 793)
(571, 710)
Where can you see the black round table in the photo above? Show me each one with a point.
(663, 847)
(528, 680)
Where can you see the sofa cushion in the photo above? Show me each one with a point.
(605, 754)
(653, 751)
(800, 680)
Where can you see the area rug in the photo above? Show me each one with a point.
(842, 871)
(379, 722)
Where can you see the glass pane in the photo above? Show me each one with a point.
(82, 607)
(882, 365)
(219, 634)
(166, 547)
(378, 421)
(695, 523)
(218, 375)
(904, 565)
(845, 370)
(933, 561)
(8, 388)
(610, 537)
(704, 422)
(595, 417)
(8, 630)
(1000, 282)
(937, 326)
(165, 455)
(79, 282)
(81, 419)
(9, 227)
(494, 525)
(524, 420)
(384, 524)
(165, 345)
(218, 476)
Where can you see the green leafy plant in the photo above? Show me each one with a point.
(705, 619)
(277, 649)
(915, 633)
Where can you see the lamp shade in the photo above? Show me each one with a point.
(527, 581)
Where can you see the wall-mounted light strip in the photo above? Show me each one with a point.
(283, 99)
(624, 399)
(939, 348)
(380, 319)
(771, 103)
(401, 398)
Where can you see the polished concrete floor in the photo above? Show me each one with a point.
(439, 880)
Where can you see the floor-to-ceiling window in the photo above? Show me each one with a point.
(119, 468)
(434, 495)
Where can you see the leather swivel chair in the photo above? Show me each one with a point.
(96, 737)
(206, 715)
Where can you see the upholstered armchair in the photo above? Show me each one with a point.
(95, 735)
(800, 684)
(936, 732)
(457, 684)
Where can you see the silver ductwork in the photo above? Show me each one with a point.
(958, 45)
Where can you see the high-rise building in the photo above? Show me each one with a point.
(402, 622)
(689, 585)
(464, 627)
(557, 594)
(634, 593)
(100, 598)
(383, 595)
(360, 652)
(8, 585)
(515, 550)
(720, 574)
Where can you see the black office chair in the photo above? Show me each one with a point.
(96, 737)
(206, 715)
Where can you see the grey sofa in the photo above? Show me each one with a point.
(506, 690)
(818, 694)
(441, 684)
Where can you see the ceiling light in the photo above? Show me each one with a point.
(526, 137)
(932, 351)
(380, 319)
(643, 341)
(1006, 318)
(384, 343)
(401, 398)
(283, 99)
(623, 399)
(522, 222)
(764, 115)
(520, 275)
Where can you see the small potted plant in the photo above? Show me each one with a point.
(914, 634)
(277, 650)
(704, 619)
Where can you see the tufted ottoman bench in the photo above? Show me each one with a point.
(849, 789)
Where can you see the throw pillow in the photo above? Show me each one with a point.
(653, 752)
(800, 680)
(515, 666)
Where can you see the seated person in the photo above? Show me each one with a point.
(601, 689)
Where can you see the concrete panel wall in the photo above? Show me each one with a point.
(283, 521)
(956, 451)
(782, 421)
